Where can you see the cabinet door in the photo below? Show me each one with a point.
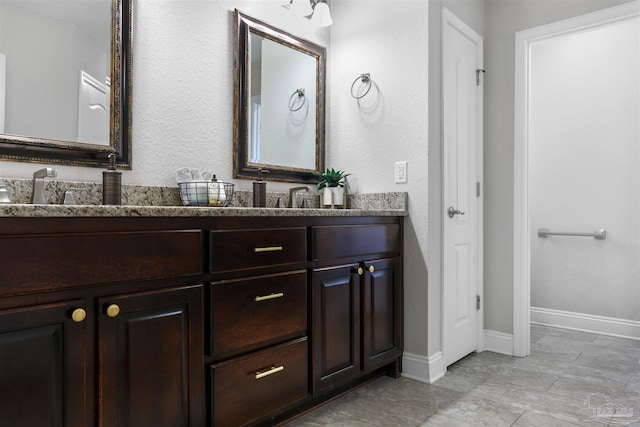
(382, 315)
(336, 326)
(151, 358)
(43, 366)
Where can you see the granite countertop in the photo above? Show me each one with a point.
(152, 201)
(52, 211)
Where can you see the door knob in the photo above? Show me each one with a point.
(452, 212)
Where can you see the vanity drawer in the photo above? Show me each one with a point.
(233, 250)
(355, 240)
(247, 389)
(36, 263)
(253, 313)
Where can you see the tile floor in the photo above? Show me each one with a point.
(566, 381)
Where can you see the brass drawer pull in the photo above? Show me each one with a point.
(268, 297)
(271, 371)
(268, 249)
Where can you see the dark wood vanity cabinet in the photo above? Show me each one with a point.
(80, 345)
(258, 322)
(193, 321)
(149, 357)
(357, 307)
(43, 365)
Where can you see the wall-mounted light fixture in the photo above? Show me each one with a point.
(317, 10)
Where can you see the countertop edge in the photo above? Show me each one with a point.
(56, 211)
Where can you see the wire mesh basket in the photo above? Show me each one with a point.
(206, 193)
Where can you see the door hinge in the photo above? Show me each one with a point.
(477, 189)
(478, 71)
(477, 302)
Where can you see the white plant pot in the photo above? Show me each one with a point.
(333, 196)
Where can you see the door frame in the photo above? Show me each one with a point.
(521, 211)
(448, 18)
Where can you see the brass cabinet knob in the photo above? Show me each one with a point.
(360, 271)
(78, 315)
(113, 310)
(371, 269)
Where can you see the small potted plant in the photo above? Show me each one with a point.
(333, 183)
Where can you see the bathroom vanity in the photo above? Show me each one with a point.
(193, 316)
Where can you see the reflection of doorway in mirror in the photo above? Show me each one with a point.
(93, 110)
(3, 86)
(254, 132)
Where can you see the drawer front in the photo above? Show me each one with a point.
(252, 313)
(58, 261)
(250, 388)
(355, 240)
(244, 249)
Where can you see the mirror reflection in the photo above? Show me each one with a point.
(282, 128)
(56, 69)
(279, 103)
(65, 81)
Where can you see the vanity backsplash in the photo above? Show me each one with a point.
(87, 193)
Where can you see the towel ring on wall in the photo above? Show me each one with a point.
(300, 93)
(364, 78)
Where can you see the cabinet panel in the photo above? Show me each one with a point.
(251, 313)
(381, 304)
(336, 326)
(43, 371)
(250, 388)
(233, 250)
(331, 242)
(151, 357)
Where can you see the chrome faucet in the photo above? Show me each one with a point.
(38, 196)
(293, 202)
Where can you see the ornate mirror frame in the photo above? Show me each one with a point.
(242, 168)
(42, 150)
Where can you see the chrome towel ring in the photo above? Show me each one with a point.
(366, 80)
(300, 94)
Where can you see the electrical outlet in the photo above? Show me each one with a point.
(401, 172)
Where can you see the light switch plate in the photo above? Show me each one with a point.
(401, 172)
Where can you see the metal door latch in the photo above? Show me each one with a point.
(452, 212)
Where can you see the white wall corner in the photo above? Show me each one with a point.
(586, 322)
(498, 342)
(422, 368)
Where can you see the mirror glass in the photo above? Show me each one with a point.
(64, 81)
(279, 103)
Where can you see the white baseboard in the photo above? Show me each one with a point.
(498, 342)
(586, 322)
(422, 368)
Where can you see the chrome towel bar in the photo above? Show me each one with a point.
(598, 235)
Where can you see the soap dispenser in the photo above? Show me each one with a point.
(111, 183)
(260, 190)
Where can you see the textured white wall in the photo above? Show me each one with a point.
(585, 170)
(388, 39)
(503, 19)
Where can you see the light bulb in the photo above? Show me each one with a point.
(322, 15)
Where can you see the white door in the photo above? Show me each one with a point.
(93, 110)
(462, 153)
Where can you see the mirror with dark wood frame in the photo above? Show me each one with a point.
(279, 104)
(66, 67)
